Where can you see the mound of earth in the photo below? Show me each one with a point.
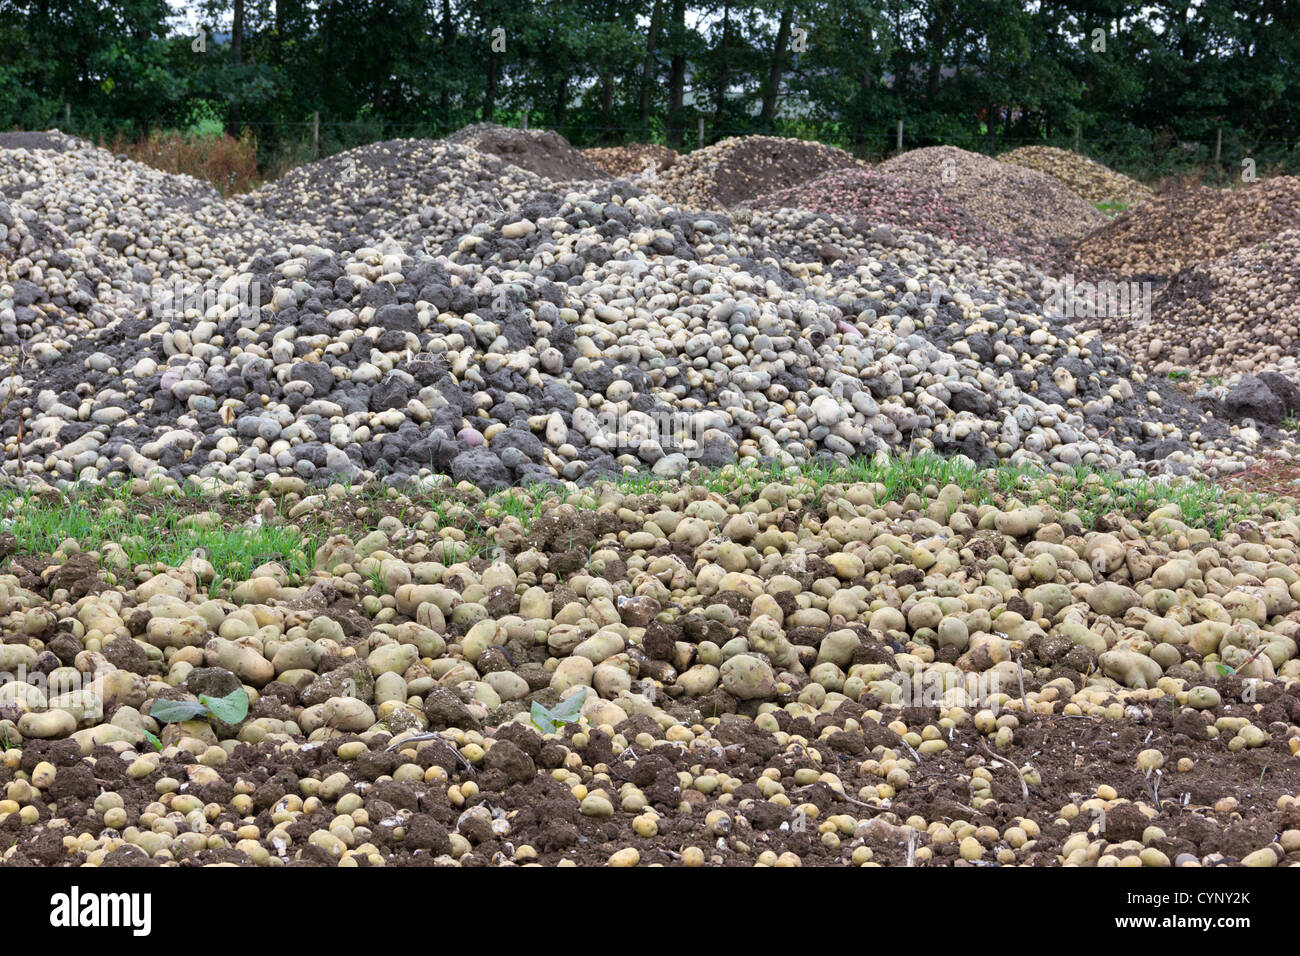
(630, 160)
(1185, 225)
(542, 152)
(1096, 183)
(1010, 198)
(742, 168)
(1238, 313)
(877, 197)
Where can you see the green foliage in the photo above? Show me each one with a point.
(550, 719)
(986, 75)
(230, 709)
(162, 534)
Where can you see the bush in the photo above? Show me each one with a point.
(227, 163)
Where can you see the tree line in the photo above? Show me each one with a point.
(1146, 85)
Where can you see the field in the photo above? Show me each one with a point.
(486, 501)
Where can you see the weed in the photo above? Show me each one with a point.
(227, 163)
(230, 709)
(550, 719)
(1227, 671)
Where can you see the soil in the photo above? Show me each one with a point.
(632, 159)
(741, 169)
(54, 141)
(543, 152)
(1072, 756)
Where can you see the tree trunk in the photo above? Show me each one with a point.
(490, 94)
(724, 77)
(327, 8)
(448, 38)
(865, 80)
(279, 26)
(648, 68)
(934, 37)
(606, 106)
(859, 115)
(677, 75)
(237, 56)
(44, 30)
(561, 102)
(777, 68)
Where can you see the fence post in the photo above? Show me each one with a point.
(699, 131)
(525, 117)
(1078, 137)
(315, 135)
(898, 141)
(1218, 146)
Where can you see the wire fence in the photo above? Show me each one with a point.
(1142, 154)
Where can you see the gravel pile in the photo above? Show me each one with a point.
(1012, 199)
(1239, 313)
(51, 140)
(542, 152)
(877, 197)
(615, 661)
(355, 321)
(418, 192)
(1086, 177)
(773, 674)
(625, 161)
(85, 235)
(742, 168)
(1182, 227)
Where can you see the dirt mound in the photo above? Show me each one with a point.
(740, 169)
(881, 198)
(542, 152)
(52, 140)
(1011, 198)
(1237, 313)
(1183, 226)
(1088, 178)
(380, 313)
(632, 159)
(410, 189)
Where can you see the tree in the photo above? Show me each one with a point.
(776, 65)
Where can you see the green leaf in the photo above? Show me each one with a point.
(232, 708)
(175, 711)
(567, 711)
(1225, 670)
(157, 744)
(542, 718)
(548, 721)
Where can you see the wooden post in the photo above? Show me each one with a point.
(315, 135)
(67, 115)
(1078, 137)
(525, 115)
(898, 140)
(1218, 146)
(699, 138)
